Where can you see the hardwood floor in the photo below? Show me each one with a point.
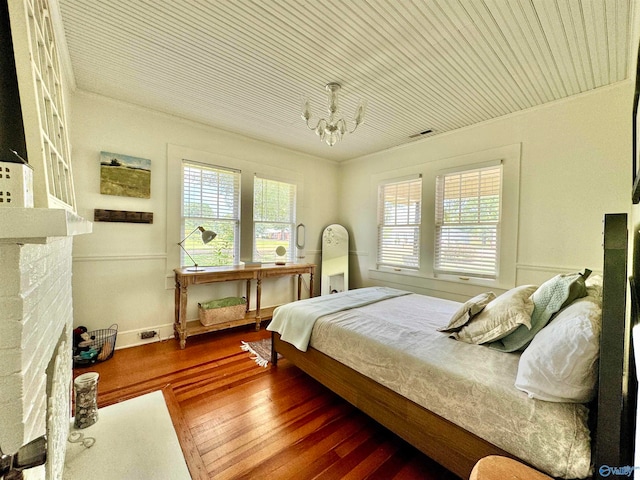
(237, 420)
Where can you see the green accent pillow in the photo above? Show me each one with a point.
(223, 302)
(550, 298)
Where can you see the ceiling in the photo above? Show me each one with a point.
(245, 66)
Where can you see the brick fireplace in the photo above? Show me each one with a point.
(36, 321)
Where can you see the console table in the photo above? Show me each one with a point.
(185, 277)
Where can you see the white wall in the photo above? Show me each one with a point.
(575, 166)
(123, 271)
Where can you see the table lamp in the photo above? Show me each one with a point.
(207, 236)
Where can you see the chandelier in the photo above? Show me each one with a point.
(331, 130)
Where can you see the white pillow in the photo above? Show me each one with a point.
(500, 317)
(561, 362)
(594, 287)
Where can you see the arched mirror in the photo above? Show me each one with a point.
(335, 260)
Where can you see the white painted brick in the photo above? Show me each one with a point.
(11, 308)
(34, 404)
(33, 367)
(11, 387)
(35, 291)
(11, 433)
(11, 361)
(30, 301)
(9, 267)
(11, 334)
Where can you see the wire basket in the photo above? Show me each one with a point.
(100, 348)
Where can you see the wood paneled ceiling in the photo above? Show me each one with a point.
(245, 66)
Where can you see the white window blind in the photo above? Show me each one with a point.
(399, 210)
(274, 217)
(468, 222)
(211, 199)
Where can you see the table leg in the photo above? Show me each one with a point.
(299, 285)
(176, 319)
(248, 294)
(258, 295)
(311, 284)
(182, 317)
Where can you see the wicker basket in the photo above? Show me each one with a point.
(211, 313)
(104, 343)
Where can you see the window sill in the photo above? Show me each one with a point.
(443, 286)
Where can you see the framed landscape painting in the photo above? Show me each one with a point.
(124, 175)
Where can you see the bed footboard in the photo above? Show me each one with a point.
(448, 444)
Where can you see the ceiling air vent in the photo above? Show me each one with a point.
(422, 134)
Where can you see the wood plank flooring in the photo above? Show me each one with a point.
(236, 420)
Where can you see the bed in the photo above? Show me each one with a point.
(445, 416)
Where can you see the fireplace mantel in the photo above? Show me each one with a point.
(35, 225)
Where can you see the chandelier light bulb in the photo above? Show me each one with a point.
(332, 129)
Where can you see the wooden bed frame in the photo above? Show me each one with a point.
(457, 449)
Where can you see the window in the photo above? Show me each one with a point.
(211, 199)
(467, 218)
(399, 204)
(274, 217)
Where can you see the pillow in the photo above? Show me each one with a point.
(467, 311)
(561, 363)
(594, 286)
(552, 295)
(500, 317)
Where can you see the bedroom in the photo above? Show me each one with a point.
(574, 166)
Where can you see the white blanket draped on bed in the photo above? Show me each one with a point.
(294, 321)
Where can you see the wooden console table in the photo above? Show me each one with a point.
(184, 277)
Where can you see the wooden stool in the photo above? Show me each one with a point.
(494, 467)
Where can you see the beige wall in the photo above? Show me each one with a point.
(575, 166)
(123, 272)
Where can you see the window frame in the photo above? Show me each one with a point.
(440, 222)
(385, 259)
(175, 155)
(291, 243)
(212, 222)
(424, 279)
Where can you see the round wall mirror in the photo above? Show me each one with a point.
(281, 252)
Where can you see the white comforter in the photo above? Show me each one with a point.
(395, 342)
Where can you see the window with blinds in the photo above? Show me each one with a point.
(211, 199)
(274, 217)
(399, 210)
(468, 222)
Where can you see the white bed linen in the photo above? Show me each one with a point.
(294, 321)
(395, 342)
